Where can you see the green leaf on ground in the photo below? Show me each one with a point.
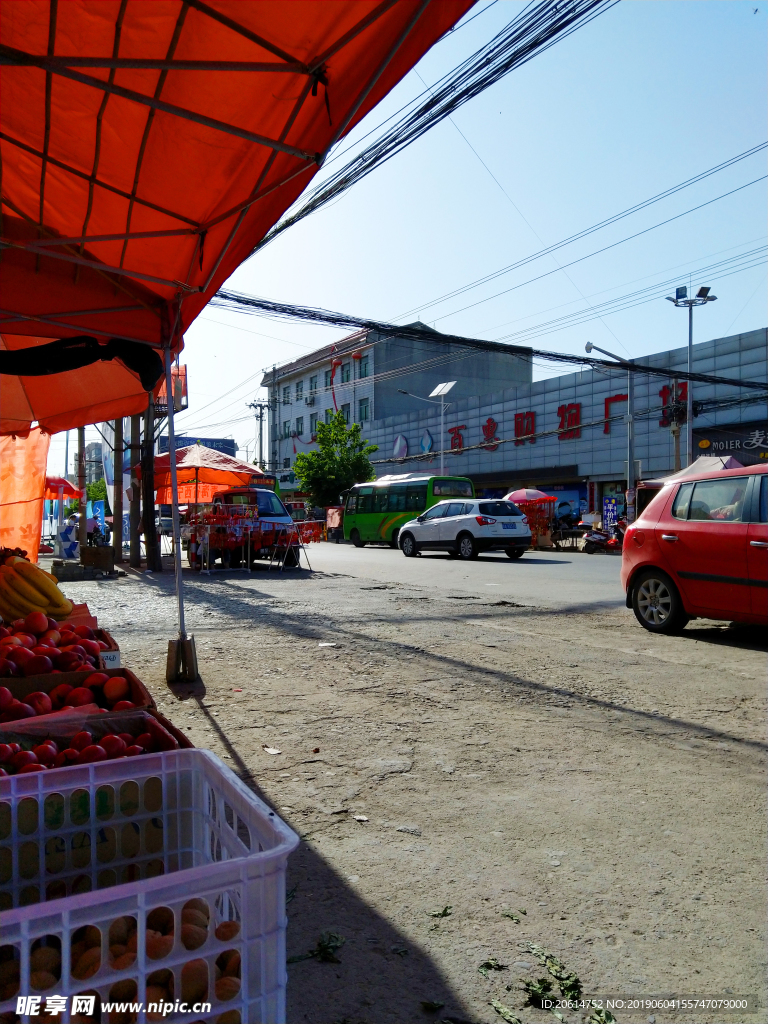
(431, 1006)
(324, 951)
(505, 1013)
(601, 1016)
(445, 912)
(537, 992)
(491, 965)
(511, 915)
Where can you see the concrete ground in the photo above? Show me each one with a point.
(491, 756)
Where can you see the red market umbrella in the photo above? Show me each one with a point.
(57, 487)
(527, 494)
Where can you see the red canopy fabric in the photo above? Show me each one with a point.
(147, 147)
(55, 483)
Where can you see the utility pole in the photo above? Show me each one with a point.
(82, 529)
(274, 405)
(154, 560)
(258, 408)
(681, 299)
(117, 490)
(135, 509)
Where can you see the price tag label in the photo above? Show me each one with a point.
(111, 659)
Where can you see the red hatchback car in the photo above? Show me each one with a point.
(700, 548)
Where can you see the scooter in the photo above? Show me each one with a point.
(606, 540)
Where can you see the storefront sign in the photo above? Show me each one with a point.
(667, 399)
(457, 438)
(525, 426)
(608, 403)
(489, 433)
(747, 442)
(570, 421)
(426, 442)
(400, 449)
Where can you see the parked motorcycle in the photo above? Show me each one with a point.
(610, 541)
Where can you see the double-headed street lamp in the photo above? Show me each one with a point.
(699, 299)
(441, 390)
(630, 425)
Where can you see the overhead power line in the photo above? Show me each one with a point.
(281, 310)
(538, 27)
(584, 232)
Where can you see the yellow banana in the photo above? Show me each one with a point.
(14, 599)
(13, 559)
(59, 611)
(22, 588)
(37, 578)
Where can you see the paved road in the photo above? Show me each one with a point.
(561, 580)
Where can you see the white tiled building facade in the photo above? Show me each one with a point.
(593, 451)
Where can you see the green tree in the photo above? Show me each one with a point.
(341, 460)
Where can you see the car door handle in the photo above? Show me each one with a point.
(759, 543)
(669, 536)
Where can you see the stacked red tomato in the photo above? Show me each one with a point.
(38, 645)
(97, 688)
(84, 748)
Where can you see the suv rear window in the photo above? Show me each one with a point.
(499, 508)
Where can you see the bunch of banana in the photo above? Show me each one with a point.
(26, 588)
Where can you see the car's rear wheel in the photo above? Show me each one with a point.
(515, 552)
(356, 539)
(408, 545)
(467, 547)
(656, 602)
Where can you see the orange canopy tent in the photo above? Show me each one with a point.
(22, 482)
(147, 147)
(201, 472)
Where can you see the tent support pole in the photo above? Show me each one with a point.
(135, 506)
(181, 665)
(117, 492)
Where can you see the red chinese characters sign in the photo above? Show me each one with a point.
(608, 403)
(668, 400)
(457, 438)
(525, 427)
(489, 433)
(570, 421)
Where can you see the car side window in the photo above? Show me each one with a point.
(436, 512)
(719, 500)
(682, 502)
(762, 515)
(456, 508)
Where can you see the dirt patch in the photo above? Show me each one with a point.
(563, 780)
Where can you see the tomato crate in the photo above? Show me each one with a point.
(22, 686)
(175, 879)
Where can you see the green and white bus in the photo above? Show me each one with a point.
(375, 512)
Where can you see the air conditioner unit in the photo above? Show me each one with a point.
(310, 400)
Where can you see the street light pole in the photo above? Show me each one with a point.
(630, 427)
(441, 390)
(681, 299)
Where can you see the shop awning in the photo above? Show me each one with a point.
(200, 472)
(147, 147)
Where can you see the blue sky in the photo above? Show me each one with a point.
(643, 98)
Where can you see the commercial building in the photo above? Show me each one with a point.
(94, 465)
(566, 434)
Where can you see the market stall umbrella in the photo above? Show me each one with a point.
(59, 487)
(199, 472)
(146, 149)
(526, 494)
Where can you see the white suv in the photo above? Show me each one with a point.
(465, 528)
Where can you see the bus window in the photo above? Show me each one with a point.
(364, 499)
(352, 502)
(452, 488)
(397, 498)
(381, 499)
(416, 497)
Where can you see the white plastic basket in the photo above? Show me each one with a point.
(88, 845)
